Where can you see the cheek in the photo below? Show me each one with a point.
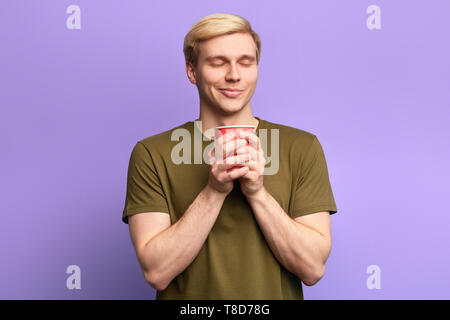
(210, 77)
(251, 76)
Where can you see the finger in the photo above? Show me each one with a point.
(235, 173)
(232, 161)
(238, 159)
(211, 153)
(232, 146)
(252, 165)
(221, 143)
(229, 148)
(260, 156)
(255, 169)
(211, 158)
(248, 150)
(257, 155)
(250, 175)
(251, 138)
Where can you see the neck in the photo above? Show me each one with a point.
(210, 119)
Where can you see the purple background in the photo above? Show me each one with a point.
(74, 103)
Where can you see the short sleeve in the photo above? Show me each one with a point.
(313, 192)
(144, 192)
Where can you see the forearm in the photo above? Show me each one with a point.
(300, 249)
(170, 252)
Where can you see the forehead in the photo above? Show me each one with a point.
(230, 45)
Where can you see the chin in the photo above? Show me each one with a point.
(231, 109)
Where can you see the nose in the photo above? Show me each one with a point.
(233, 74)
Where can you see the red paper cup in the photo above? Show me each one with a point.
(223, 130)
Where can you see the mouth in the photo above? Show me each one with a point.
(233, 93)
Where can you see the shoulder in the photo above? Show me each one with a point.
(163, 140)
(290, 135)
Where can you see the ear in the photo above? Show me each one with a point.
(191, 73)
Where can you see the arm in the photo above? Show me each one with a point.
(302, 245)
(169, 250)
(165, 251)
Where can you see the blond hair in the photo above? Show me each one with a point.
(215, 25)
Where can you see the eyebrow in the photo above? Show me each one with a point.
(245, 56)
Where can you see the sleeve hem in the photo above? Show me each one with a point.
(314, 209)
(137, 210)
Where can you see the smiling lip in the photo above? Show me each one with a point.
(231, 93)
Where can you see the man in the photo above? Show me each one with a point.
(210, 231)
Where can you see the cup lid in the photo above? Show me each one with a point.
(236, 126)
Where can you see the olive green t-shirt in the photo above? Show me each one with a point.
(168, 170)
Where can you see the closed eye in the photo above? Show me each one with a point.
(221, 64)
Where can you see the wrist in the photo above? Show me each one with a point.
(212, 193)
(259, 195)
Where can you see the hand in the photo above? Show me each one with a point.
(252, 181)
(221, 175)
